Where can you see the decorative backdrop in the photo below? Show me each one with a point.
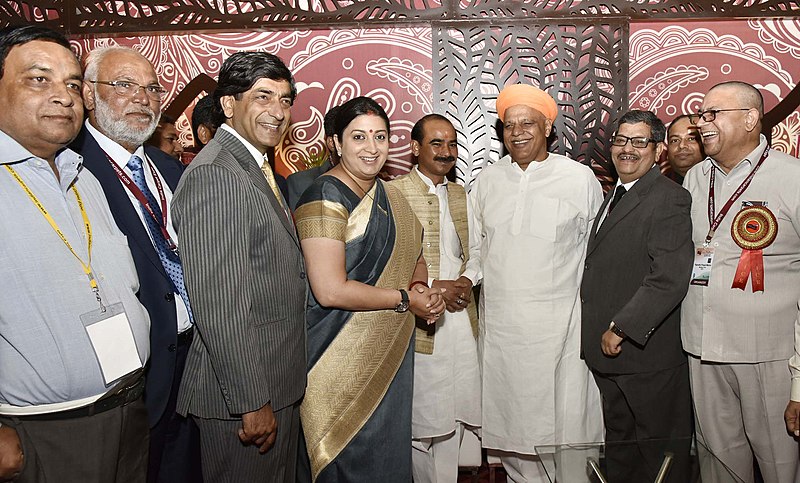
(669, 68)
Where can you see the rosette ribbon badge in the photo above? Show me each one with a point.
(754, 228)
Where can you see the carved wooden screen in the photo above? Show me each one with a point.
(579, 64)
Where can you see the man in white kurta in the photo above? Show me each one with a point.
(447, 402)
(532, 213)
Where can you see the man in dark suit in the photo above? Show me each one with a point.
(123, 101)
(637, 271)
(297, 183)
(245, 374)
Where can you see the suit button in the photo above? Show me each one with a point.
(302, 275)
(583, 301)
(586, 267)
(430, 222)
(169, 297)
(171, 348)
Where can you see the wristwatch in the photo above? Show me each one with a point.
(403, 305)
(616, 330)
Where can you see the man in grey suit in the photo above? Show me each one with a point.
(245, 374)
(637, 271)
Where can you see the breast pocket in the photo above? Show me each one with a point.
(543, 219)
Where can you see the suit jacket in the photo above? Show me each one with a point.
(297, 183)
(638, 266)
(245, 277)
(156, 292)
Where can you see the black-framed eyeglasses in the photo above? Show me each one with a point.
(130, 89)
(637, 142)
(711, 114)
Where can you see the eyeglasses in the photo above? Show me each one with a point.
(711, 114)
(620, 140)
(130, 89)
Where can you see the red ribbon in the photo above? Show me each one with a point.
(751, 264)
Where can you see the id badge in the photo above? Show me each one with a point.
(112, 339)
(701, 271)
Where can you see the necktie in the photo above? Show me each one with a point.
(169, 258)
(265, 168)
(618, 194)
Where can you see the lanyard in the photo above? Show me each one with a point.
(87, 266)
(137, 193)
(714, 221)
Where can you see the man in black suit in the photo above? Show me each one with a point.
(123, 101)
(637, 271)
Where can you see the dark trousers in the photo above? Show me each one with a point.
(110, 447)
(647, 416)
(175, 440)
(227, 460)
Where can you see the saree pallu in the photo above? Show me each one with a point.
(356, 414)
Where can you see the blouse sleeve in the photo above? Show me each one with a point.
(322, 211)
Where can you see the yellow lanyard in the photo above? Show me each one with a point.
(87, 266)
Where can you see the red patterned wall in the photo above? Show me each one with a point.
(671, 66)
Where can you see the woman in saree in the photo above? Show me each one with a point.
(362, 247)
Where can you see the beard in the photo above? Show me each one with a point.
(117, 129)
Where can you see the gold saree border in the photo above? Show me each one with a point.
(321, 219)
(359, 219)
(352, 376)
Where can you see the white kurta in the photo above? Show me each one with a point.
(531, 230)
(447, 383)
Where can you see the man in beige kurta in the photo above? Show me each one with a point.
(532, 212)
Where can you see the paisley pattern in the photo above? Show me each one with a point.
(671, 66)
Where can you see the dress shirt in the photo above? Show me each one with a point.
(45, 354)
(724, 324)
(121, 156)
(627, 187)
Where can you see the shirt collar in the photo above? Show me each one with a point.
(67, 161)
(749, 161)
(259, 157)
(431, 187)
(113, 149)
(630, 184)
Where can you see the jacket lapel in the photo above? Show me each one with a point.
(627, 204)
(253, 170)
(124, 212)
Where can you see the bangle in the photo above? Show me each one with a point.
(418, 282)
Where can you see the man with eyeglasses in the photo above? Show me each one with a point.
(637, 270)
(73, 336)
(684, 148)
(123, 99)
(740, 317)
(532, 211)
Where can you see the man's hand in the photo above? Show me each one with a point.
(11, 457)
(610, 343)
(259, 428)
(456, 291)
(792, 418)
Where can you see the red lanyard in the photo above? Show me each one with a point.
(137, 193)
(713, 221)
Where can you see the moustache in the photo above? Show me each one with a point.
(445, 159)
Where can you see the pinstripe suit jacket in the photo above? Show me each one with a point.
(246, 282)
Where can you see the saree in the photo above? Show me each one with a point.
(356, 414)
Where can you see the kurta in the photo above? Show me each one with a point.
(531, 229)
(446, 381)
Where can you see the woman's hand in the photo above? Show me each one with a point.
(427, 303)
